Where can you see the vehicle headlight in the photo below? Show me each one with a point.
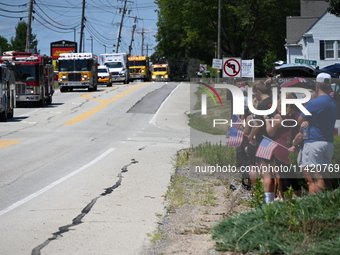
(29, 90)
(63, 78)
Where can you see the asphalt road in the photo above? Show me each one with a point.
(87, 174)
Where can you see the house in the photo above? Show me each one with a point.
(314, 37)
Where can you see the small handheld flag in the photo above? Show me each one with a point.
(235, 137)
(237, 122)
(266, 148)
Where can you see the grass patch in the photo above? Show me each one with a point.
(204, 123)
(155, 237)
(176, 194)
(213, 154)
(183, 158)
(310, 225)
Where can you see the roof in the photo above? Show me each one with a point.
(311, 12)
(297, 26)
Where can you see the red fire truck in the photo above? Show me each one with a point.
(34, 77)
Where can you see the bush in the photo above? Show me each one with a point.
(298, 226)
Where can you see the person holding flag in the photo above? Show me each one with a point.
(263, 94)
(283, 137)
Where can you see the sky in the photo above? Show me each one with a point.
(60, 20)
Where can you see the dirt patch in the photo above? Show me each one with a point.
(187, 228)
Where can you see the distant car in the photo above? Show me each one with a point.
(295, 70)
(104, 76)
(333, 70)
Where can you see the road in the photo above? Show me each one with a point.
(87, 174)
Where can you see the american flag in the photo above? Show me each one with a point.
(237, 122)
(235, 137)
(266, 148)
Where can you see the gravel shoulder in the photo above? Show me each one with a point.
(186, 229)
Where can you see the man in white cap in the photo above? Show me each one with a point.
(318, 148)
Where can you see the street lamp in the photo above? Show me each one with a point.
(104, 48)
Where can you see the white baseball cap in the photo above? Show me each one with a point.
(324, 78)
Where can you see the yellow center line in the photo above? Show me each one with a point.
(103, 104)
(5, 143)
(93, 98)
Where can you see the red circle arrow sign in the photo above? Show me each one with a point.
(232, 67)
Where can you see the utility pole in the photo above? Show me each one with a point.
(133, 31)
(219, 31)
(29, 27)
(219, 38)
(121, 22)
(142, 33)
(82, 27)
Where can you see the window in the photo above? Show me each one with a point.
(329, 50)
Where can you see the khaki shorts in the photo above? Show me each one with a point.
(315, 153)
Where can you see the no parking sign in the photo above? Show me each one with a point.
(231, 67)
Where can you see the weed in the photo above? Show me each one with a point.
(155, 237)
(258, 194)
(176, 194)
(183, 158)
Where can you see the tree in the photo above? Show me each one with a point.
(334, 7)
(18, 43)
(4, 45)
(251, 29)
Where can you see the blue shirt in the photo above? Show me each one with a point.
(322, 120)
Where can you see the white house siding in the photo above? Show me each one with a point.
(327, 28)
(294, 52)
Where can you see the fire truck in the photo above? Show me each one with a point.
(160, 72)
(7, 91)
(34, 77)
(77, 70)
(139, 68)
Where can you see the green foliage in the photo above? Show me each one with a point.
(309, 225)
(4, 45)
(18, 43)
(258, 194)
(334, 7)
(249, 29)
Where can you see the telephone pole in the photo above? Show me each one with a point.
(219, 37)
(82, 28)
(124, 11)
(133, 31)
(29, 27)
(142, 33)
